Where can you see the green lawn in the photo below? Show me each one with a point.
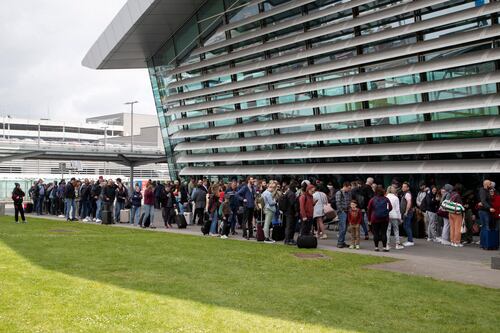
(104, 279)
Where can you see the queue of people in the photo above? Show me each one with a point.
(450, 214)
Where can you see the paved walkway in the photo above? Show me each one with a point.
(469, 265)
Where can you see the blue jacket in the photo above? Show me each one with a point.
(249, 195)
(269, 201)
(136, 199)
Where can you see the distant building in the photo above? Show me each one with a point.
(111, 131)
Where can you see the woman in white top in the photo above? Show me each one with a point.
(394, 217)
(320, 200)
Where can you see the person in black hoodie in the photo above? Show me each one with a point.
(18, 196)
(69, 195)
(136, 201)
(108, 196)
(168, 205)
(289, 206)
(121, 197)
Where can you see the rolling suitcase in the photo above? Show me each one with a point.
(107, 217)
(125, 216)
(260, 232)
(189, 217)
(307, 242)
(205, 229)
(146, 222)
(278, 233)
(28, 207)
(489, 239)
(181, 221)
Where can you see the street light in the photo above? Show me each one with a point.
(131, 124)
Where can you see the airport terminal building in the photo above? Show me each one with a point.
(313, 87)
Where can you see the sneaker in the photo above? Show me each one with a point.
(324, 236)
(376, 249)
(17, 222)
(213, 235)
(61, 216)
(341, 246)
(399, 247)
(292, 243)
(429, 239)
(98, 221)
(388, 247)
(269, 241)
(224, 237)
(94, 219)
(357, 247)
(460, 245)
(406, 244)
(25, 221)
(385, 249)
(454, 245)
(445, 242)
(352, 247)
(438, 239)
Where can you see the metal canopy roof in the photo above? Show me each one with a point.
(138, 31)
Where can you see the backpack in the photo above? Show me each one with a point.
(380, 210)
(259, 201)
(283, 203)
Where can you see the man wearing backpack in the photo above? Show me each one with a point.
(406, 207)
(378, 213)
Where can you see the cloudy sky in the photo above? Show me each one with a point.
(42, 45)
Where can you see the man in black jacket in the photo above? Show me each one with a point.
(69, 201)
(108, 196)
(288, 205)
(121, 197)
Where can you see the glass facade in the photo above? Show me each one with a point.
(244, 76)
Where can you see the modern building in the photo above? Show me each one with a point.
(310, 87)
(98, 135)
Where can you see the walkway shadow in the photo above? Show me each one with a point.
(255, 278)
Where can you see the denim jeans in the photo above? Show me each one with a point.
(98, 212)
(268, 221)
(118, 207)
(485, 218)
(69, 207)
(134, 214)
(214, 218)
(445, 234)
(342, 227)
(39, 206)
(407, 226)
(85, 208)
(394, 225)
(432, 220)
(364, 223)
(149, 210)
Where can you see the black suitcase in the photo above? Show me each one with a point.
(107, 217)
(181, 221)
(146, 222)
(260, 232)
(205, 229)
(307, 242)
(278, 233)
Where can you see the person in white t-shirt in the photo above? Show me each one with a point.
(394, 217)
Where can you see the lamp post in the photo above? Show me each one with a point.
(131, 124)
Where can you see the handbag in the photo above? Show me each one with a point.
(463, 230)
(329, 212)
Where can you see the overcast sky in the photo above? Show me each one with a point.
(42, 44)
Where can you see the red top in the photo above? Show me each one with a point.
(149, 197)
(495, 203)
(306, 206)
(355, 217)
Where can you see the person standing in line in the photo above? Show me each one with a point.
(121, 196)
(269, 210)
(18, 197)
(85, 201)
(40, 197)
(406, 207)
(108, 196)
(149, 205)
(69, 195)
(289, 207)
(486, 210)
(213, 204)
(378, 213)
(394, 218)
(343, 201)
(432, 206)
(199, 198)
(456, 218)
(234, 204)
(306, 204)
(354, 218)
(445, 234)
(420, 209)
(247, 193)
(168, 204)
(368, 193)
(226, 218)
(320, 200)
(136, 201)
